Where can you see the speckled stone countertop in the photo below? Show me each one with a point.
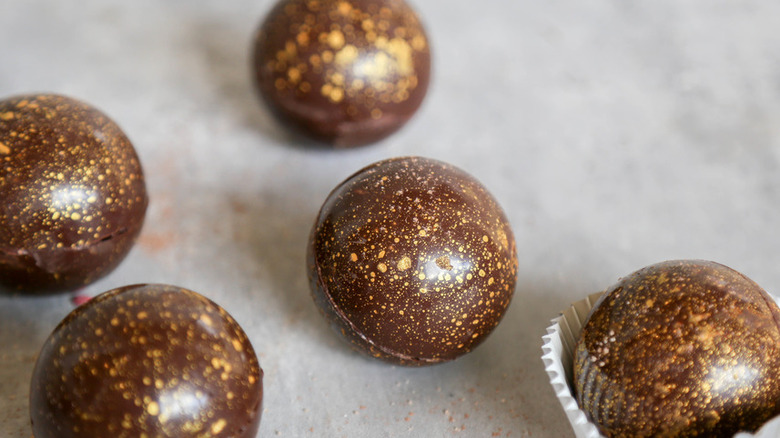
(615, 135)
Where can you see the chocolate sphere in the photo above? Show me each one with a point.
(147, 360)
(72, 193)
(345, 72)
(412, 260)
(681, 348)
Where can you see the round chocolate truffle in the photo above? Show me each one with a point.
(412, 260)
(345, 72)
(680, 348)
(72, 193)
(147, 360)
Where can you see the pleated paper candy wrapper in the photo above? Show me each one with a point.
(558, 351)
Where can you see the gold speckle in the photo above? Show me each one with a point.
(218, 425)
(443, 262)
(419, 43)
(382, 267)
(5, 150)
(294, 75)
(344, 8)
(8, 115)
(337, 95)
(336, 39)
(302, 38)
(153, 409)
(404, 264)
(346, 56)
(353, 257)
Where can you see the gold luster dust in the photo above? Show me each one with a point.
(335, 94)
(294, 75)
(153, 409)
(443, 262)
(336, 40)
(206, 320)
(346, 55)
(4, 149)
(344, 8)
(419, 43)
(217, 427)
(401, 52)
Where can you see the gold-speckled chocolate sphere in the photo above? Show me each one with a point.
(147, 361)
(680, 349)
(345, 72)
(412, 260)
(72, 193)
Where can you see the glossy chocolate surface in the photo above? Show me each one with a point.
(681, 348)
(345, 72)
(147, 360)
(413, 261)
(72, 193)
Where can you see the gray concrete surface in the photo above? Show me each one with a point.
(615, 134)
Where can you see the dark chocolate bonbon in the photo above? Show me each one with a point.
(147, 360)
(412, 260)
(345, 72)
(72, 193)
(680, 348)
